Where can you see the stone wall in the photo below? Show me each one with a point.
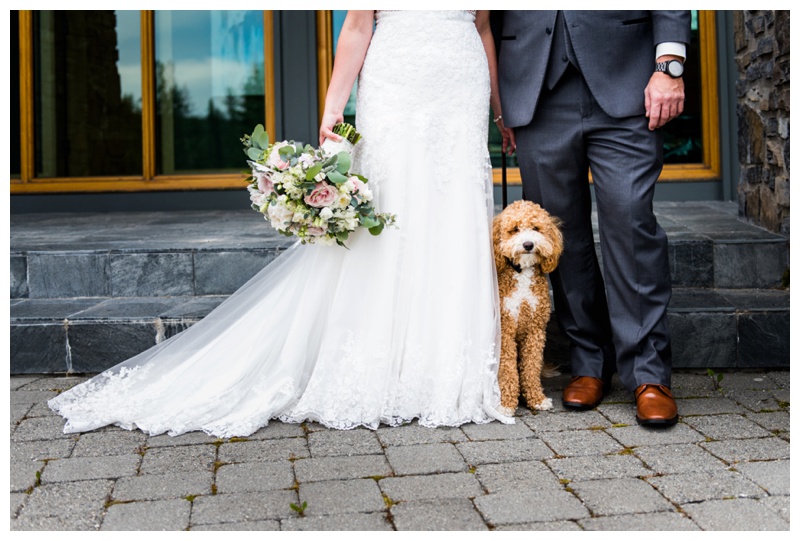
(761, 40)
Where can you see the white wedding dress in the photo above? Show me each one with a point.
(401, 326)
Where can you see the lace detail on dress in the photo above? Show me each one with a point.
(423, 388)
(422, 90)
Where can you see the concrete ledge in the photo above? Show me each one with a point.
(718, 328)
(65, 255)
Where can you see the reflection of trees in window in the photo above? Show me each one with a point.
(683, 136)
(85, 126)
(14, 121)
(205, 141)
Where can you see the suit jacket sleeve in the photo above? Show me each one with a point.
(671, 26)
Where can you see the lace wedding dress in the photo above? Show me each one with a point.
(399, 327)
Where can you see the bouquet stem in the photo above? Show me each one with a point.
(348, 132)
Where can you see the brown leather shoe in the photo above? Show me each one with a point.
(655, 406)
(583, 393)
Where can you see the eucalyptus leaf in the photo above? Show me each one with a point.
(343, 164)
(369, 222)
(253, 153)
(377, 229)
(263, 139)
(336, 177)
(257, 131)
(313, 171)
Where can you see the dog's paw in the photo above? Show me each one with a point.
(508, 412)
(546, 404)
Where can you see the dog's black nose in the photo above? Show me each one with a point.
(528, 246)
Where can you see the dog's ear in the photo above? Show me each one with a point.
(553, 232)
(497, 234)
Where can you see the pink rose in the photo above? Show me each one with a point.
(315, 231)
(358, 183)
(322, 196)
(264, 182)
(275, 158)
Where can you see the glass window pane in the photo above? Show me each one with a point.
(87, 80)
(209, 88)
(14, 81)
(683, 136)
(350, 108)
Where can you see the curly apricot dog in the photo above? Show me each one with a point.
(527, 245)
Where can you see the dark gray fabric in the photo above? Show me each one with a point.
(562, 55)
(615, 51)
(593, 117)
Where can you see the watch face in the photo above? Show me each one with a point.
(675, 68)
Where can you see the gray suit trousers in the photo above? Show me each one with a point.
(620, 322)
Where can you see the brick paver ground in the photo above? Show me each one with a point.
(724, 466)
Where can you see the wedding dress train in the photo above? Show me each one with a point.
(401, 326)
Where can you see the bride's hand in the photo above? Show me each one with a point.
(329, 120)
(509, 140)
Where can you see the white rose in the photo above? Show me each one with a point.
(280, 217)
(256, 197)
(348, 186)
(326, 214)
(344, 200)
(365, 194)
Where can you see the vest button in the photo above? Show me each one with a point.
(548, 30)
(564, 58)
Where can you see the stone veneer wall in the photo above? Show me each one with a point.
(761, 40)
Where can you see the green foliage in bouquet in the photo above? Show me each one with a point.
(256, 144)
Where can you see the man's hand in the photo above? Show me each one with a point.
(663, 98)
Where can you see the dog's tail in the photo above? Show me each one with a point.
(550, 371)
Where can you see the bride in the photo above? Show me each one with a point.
(399, 327)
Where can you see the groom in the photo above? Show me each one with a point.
(590, 90)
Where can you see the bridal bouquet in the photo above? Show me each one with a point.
(311, 192)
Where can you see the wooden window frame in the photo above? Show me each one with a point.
(710, 169)
(149, 180)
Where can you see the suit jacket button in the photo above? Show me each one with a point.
(564, 58)
(548, 30)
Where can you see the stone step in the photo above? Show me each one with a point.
(711, 328)
(194, 253)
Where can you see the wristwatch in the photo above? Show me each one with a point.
(673, 68)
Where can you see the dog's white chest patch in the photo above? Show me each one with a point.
(522, 293)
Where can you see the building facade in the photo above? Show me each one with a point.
(142, 110)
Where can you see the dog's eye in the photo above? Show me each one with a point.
(536, 228)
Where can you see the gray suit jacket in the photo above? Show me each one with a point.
(615, 51)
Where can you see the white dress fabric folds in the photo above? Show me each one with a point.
(401, 326)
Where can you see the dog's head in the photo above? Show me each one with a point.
(528, 236)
